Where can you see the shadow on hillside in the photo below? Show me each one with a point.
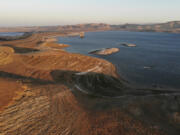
(89, 90)
(94, 84)
(24, 78)
(102, 85)
(21, 49)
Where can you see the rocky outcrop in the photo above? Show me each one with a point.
(129, 45)
(82, 34)
(106, 51)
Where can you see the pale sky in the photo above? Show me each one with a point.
(62, 12)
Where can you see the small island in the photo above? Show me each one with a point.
(105, 51)
(82, 34)
(129, 45)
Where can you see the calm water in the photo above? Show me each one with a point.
(11, 33)
(161, 51)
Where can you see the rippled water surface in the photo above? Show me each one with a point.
(11, 34)
(155, 62)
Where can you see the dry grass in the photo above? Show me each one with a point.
(10, 91)
(6, 55)
(35, 101)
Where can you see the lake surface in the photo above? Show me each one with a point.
(160, 51)
(11, 34)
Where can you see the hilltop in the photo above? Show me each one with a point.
(173, 27)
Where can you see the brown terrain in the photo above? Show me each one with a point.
(172, 27)
(45, 90)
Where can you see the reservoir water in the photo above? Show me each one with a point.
(153, 63)
(11, 34)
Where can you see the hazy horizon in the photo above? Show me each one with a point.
(60, 12)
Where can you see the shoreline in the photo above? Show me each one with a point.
(45, 88)
(128, 82)
(77, 34)
(48, 41)
(50, 46)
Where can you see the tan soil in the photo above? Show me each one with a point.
(38, 97)
(6, 55)
(9, 91)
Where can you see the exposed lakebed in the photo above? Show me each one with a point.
(153, 63)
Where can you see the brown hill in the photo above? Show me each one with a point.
(51, 92)
(161, 27)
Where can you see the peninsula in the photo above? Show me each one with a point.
(46, 90)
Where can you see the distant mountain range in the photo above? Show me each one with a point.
(173, 27)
